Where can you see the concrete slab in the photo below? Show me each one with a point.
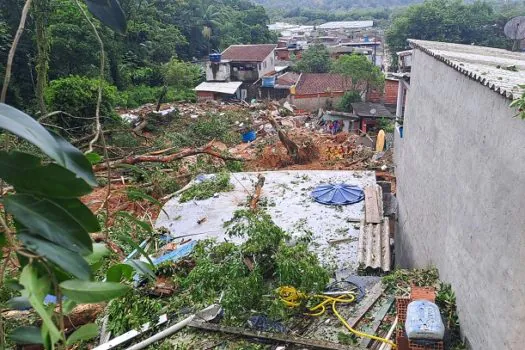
(286, 195)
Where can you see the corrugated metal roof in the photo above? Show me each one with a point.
(499, 70)
(224, 88)
(370, 110)
(347, 25)
(374, 245)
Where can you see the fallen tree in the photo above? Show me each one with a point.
(300, 155)
(145, 158)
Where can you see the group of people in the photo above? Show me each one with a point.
(334, 126)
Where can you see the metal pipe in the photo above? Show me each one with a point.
(165, 333)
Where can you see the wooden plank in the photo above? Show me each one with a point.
(378, 318)
(277, 337)
(366, 304)
(361, 244)
(372, 205)
(385, 236)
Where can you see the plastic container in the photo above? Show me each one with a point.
(424, 321)
(249, 136)
(215, 57)
(268, 82)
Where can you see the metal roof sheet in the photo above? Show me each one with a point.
(346, 25)
(499, 70)
(224, 88)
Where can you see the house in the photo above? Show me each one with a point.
(404, 60)
(244, 63)
(318, 90)
(218, 90)
(249, 63)
(367, 114)
(460, 168)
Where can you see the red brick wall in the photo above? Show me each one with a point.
(205, 95)
(391, 87)
(283, 55)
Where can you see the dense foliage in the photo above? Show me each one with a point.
(315, 59)
(156, 32)
(479, 23)
(359, 72)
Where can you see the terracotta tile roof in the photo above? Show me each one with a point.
(317, 83)
(288, 78)
(248, 53)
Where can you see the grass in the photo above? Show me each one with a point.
(207, 188)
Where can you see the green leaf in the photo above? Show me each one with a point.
(22, 125)
(138, 248)
(67, 260)
(94, 158)
(142, 268)
(36, 290)
(26, 174)
(86, 332)
(136, 194)
(99, 251)
(50, 220)
(19, 303)
(124, 214)
(116, 272)
(26, 335)
(80, 212)
(67, 306)
(108, 12)
(92, 292)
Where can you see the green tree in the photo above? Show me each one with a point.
(180, 74)
(348, 98)
(448, 20)
(360, 73)
(315, 59)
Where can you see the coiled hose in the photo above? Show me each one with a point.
(292, 298)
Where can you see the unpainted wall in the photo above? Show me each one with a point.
(314, 102)
(460, 169)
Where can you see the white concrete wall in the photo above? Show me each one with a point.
(461, 171)
(267, 65)
(218, 71)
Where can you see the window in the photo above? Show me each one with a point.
(259, 66)
(264, 64)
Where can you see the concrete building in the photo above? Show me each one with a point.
(460, 167)
(218, 90)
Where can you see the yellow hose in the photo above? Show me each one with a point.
(291, 297)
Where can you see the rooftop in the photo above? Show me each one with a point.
(224, 88)
(287, 79)
(317, 83)
(499, 70)
(346, 25)
(248, 53)
(370, 110)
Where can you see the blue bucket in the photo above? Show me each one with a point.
(401, 132)
(249, 136)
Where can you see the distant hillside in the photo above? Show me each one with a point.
(332, 4)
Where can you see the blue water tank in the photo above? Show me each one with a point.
(268, 82)
(215, 57)
(366, 38)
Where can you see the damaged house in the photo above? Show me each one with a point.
(460, 166)
(238, 63)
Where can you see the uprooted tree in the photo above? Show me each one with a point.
(300, 154)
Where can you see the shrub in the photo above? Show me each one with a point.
(78, 96)
(348, 98)
(180, 74)
(142, 94)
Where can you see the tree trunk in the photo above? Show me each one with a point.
(41, 8)
(291, 147)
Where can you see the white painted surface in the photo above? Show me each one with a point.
(290, 206)
(229, 88)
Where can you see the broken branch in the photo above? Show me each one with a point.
(166, 159)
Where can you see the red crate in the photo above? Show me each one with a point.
(433, 346)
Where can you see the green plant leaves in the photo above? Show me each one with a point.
(116, 272)
(94, 158)
(92, 292)
(26, 335)
(35, 290)
(108, 12)
(26, 174)
(86, 332)
(142, 268)
(18, 303)
(22, 125)
(99, 251)
(65, 222)
(67, 260)
(147, 227)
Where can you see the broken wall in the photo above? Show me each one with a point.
(460, 168)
